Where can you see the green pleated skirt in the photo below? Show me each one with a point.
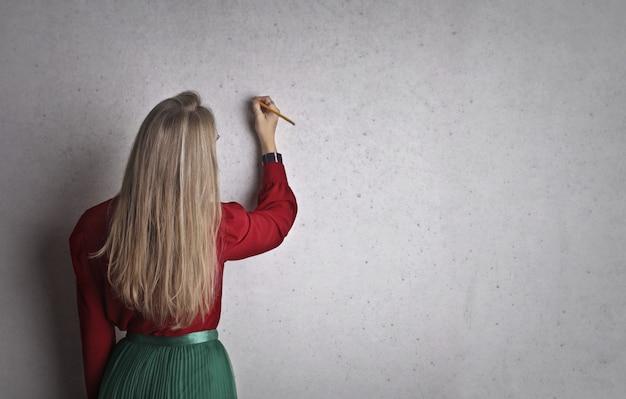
(190, 366)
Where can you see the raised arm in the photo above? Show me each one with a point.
(246, 233)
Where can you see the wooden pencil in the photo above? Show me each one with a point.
(267, 107)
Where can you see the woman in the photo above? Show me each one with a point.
(150, 260)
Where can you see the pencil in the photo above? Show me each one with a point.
(267, 107)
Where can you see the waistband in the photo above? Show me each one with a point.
(197, 337)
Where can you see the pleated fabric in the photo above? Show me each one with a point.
(192, 366)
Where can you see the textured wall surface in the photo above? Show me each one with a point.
(460, 169)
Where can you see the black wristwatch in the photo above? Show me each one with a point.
(272, 157)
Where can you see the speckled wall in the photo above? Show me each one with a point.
(460, 169)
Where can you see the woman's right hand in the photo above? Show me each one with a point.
(265, 123)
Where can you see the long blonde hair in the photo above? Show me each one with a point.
(162, 241)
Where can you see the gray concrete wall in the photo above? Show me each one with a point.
(459, 167)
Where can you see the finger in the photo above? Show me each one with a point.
(266, 100)
(256, 108)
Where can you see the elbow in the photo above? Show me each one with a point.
(286, 221)
(293, 212)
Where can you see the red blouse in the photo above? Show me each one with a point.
(241, 234)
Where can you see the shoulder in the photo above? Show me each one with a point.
(93, 223)
(233, 215)
(96, 216)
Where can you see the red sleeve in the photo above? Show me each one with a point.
(246, 233)
(97, 332)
